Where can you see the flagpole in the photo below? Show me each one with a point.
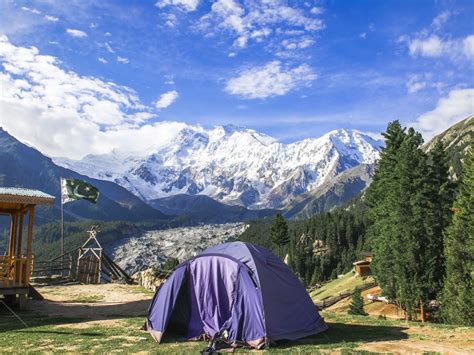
(62, 225)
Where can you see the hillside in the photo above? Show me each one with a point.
(23, 166)
(332, 193)
(203, 209)
(346, 283)
(457, 139)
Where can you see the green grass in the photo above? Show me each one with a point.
(87, 299)
(347, 282)
(46, 334)
(139, 289)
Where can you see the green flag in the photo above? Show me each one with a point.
(74, 189)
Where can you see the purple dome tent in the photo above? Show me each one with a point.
(237, 288)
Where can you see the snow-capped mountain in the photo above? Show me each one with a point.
(233, 165)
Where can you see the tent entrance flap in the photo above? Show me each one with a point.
(214, 282)
(181, 314)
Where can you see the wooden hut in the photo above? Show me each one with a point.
(17, 262)
(362, 267)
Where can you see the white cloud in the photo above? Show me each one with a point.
(371, 28)
(76, 33)
(122, 60)
(63, 113)
(32, 10)
(185, 5)
(269, 80)
(415, 86)
(458, 105)
(256, 20)
(415, 83)
(107, 34)
(429, 44)
(317, 10)
(102, 60)
(432, 46)
(170, 20)
(169, 80)
(297, 43)
(166, 99)
(108, 47)
(468, 47)
(50, 18)
(435, 47)
(440, 20)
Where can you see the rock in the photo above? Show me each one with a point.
(148, 278)
(152, 249)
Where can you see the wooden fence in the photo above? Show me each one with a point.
(55, 267)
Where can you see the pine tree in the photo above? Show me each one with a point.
(357, 304)
(279, 233)
(440, 194)
(381, 197)
(457, 304)
(406, 261)
(410, 251)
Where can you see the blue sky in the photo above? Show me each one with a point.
(290, 69)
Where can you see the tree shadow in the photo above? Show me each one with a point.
(342, 333)
(51, 313)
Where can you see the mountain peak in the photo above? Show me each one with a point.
(237, 165)
(231, 128)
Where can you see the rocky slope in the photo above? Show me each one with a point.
(457, 139)
(153, 248)
(333, 193)
(233, 165)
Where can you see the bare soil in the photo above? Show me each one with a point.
(102, 304)
(389, 311)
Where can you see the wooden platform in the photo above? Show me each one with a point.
(17, 263)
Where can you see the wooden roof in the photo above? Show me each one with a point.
(15, 198)
(361, 263)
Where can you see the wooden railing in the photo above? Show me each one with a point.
(56, 267)
(15, 271)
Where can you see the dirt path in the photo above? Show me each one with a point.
(99, 303)
(426, 339)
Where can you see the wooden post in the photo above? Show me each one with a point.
(422, 311)
(20, 235)
(31, 216)
(11, 250)
(10, 236)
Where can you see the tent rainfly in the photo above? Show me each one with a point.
(238, 291)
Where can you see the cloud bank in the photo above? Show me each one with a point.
(65, 114)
